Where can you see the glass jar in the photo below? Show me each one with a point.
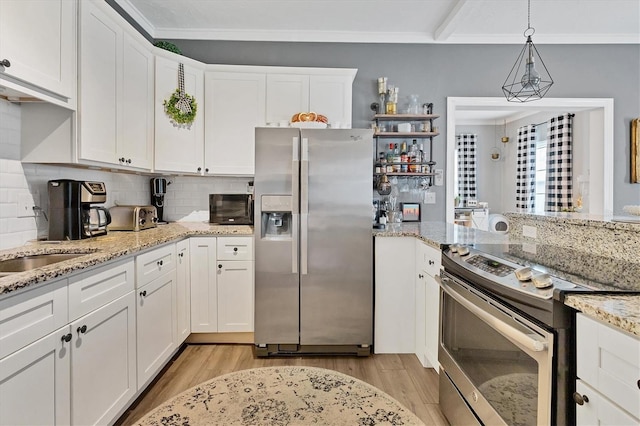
(413, 107)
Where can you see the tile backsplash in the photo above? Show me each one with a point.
(186, 198)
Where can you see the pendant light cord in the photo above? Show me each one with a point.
(528, 14)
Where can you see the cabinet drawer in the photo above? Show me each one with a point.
(598, 410)
(154, 264)
(30, 315)
(428, 258)
(97, 287)
(609, 361)
(235, 248)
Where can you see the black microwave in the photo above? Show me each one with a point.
(231, 209)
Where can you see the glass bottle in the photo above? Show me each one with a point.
(413, 106)
(392, 101)
(404, 158)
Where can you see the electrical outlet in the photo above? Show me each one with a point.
(439, 177)
(529, 231)
(430, 197)
(25, 205)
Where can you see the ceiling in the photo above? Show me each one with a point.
(390, 21)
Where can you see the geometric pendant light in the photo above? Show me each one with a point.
(526, 83)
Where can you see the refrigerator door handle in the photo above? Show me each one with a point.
(304, 205)
(295, 204)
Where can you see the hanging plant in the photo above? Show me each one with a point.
(181, 107)
(168, 46)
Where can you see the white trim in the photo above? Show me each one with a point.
(545, 104)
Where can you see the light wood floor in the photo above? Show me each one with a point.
(401, 376)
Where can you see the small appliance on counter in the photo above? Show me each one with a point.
(231, 209)
(158, 188)
(133, 218)
(72, 215)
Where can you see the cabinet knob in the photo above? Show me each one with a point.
(66, 338)
(5, 63)
(420, 276)
(128, 160)
(82, 329)
(121, 159)
(199, 169)
(181, 254)
(431, 262)
(638, 383)
(206, 170)
(219, 266)
(159, 262)
(235, 249)
(143, 293)
(580, 399)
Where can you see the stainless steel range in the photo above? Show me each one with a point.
(507, 341)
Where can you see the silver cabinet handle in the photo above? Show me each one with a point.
(304, 205)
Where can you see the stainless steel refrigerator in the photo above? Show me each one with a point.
(313, 241)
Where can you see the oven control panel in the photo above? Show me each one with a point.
(490, 265)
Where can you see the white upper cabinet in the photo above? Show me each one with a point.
(324, 91)
(330, 95)
(178, 148)
(235, 106)
(38, 39)
(287, 94)
(116, 91)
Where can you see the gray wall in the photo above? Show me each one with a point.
(436, 72)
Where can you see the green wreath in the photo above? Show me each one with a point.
(175, 113)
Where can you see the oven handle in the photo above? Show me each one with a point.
(514, 335)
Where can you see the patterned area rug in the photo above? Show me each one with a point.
(514, 396)
(282, 396)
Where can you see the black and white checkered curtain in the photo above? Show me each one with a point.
(466, 145)
(559, 191)
(526, 168)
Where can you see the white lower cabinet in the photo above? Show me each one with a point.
(156, 325)
(395, 316)
(204, 291)
(235, 296)
(35, 382)
(608, 369)
(222, 277)
(183, 292)
(103, 367)
(428, 260)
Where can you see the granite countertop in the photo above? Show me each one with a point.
(622, 311)
(102, 249)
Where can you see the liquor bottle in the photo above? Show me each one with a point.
(392, 101)
(396, 159)
(404, 158)
(414, 167)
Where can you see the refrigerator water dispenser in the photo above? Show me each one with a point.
(276, 216)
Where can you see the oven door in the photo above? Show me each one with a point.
(497, 361)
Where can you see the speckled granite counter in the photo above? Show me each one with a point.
(103, 249)
(436, 234)
(622, 311)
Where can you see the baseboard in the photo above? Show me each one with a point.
(220, 338)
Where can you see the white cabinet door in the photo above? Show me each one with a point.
(38, 38)
(100, 84)
(178, 149)
(428, 260)
(598, 410)
(287, 94)
(183, 296)
(103, 371)
(235, 106)
(331, 95)
(235, 296)
(204, 291)
(394, 322)
(135, 146)
(35, 383)
(155, 263)
(156, 325)
(421, 319)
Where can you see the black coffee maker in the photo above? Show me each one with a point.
(72, 214)
(158, 188)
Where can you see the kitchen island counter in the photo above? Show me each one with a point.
(620, 310)
(102, 249)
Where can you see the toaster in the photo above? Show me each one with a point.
(132, 218)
